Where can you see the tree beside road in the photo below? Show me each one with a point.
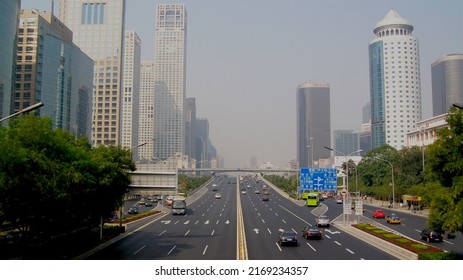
(52, 182)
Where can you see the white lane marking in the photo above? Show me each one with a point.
(212, 233)
(269, 231)
(337, 243)
(176, 222)
(283, 221)
(311, 246)
(171, 250)
(217, 222)
(205, 249)
(197, 222)
(295, 215)
(350, 251)
(279, 248)
(276, 213)
(327, 236)
(258, 214)
(263, 221)
(271, 209)
(203, 215)
(187, 222)
(162, 233)
(220, 215)
(294, 231)
(139, 249)
(187, 232)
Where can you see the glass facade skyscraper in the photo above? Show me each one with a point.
(51, 69)
(313, 123)
(98, 28)
(170, 60)
(9, 15)
(447, 83)
(395, 88)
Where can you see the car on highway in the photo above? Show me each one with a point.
(133, 210)
(323, 221)
(393, 218)
(287, 237)
(264, 187)
(265, 198)
(266, 192)
(169, 200)
(339, 200)
(311, 232)
(431, 235)
(243, 192)
(148, 203)
(257, 192)
(218, 196)
(378, 214)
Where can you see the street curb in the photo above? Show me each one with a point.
(382, 245)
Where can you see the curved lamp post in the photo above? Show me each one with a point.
(347, 163)
(392, 174)
(25, 110)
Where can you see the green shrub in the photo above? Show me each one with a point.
(418, 246)
(380, 231)
(391, 235)
(402, 240)
(440, 256)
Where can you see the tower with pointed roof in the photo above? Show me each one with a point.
(395, 88)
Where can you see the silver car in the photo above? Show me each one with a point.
(323, 221)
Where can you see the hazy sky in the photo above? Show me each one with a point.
(245, 59)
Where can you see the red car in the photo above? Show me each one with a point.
(378, 214)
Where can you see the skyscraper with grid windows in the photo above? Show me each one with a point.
(170, 60)
(395, 88)
(98, 29)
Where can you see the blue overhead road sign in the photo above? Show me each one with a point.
(318, 179)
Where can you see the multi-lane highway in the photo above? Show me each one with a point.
(210, 230)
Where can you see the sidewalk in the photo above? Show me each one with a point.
(384, 205)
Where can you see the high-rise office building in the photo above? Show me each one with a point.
(170, 60)
(146, 111)
(313, 123)
(395, 90)
(51, 69)
(366, 113)
(190, 133)
(9, 16)
(202, 142)
(98, 28)
(447, 83)
(131, 93)
(345, 142)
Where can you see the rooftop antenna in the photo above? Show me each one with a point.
(52, 6)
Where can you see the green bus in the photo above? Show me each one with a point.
(312, 199)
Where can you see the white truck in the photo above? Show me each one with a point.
(178, 206)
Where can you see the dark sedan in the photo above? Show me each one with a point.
(287, 237)
(312, 233)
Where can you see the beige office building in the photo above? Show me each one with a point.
(146, 111)
(98, 28)
(131, 92)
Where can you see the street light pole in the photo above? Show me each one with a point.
(347, 164)
(422, 144)
(392, 171)
(25, 110)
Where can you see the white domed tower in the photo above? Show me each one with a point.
(395, 88)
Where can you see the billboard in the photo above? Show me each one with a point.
(318, 179)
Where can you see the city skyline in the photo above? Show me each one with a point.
(244, 65)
